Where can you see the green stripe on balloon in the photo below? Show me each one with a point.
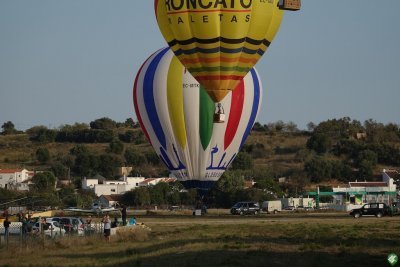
(206, 117)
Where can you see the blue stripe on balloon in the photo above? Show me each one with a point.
(254, 109)
(148, 97)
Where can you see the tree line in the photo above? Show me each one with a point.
(340, 149)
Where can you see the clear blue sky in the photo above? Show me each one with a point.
(63, 61)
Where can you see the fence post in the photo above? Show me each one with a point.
(20, 234)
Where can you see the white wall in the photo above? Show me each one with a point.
(13, 178)
(89, 183)
(112, 189)
(115, 182)
(134, 180)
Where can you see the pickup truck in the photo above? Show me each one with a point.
(372, 209)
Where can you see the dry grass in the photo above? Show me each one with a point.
(222, 240)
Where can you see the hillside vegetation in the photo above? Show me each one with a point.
(332, 152)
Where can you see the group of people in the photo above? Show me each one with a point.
(25, 219)
(108, 224)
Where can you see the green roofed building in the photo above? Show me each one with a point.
(358, 193)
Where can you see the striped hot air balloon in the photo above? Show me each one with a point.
(218, 41)
(176, 115)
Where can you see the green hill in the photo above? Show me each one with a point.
(335, 151)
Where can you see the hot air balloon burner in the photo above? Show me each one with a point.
(219, 115)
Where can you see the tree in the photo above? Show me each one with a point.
(134, 158)
(365, 169)
(318, 169)
(159, 193)
(367, 156)
(42, 155)
(116, 147)
(132, 136)
(242, 161)
(269, 184)
(85, 163)
(291, 127)
(257, 127)
(60, 170)
(226, 188)
(339, 128)
(319, 142)
(129, 123)
(41, 134)
(44, 181)
(73, 128)
(188, 197)
(142, 196)
(230, 182)
(108, 164)
(8, 128)
(152, 158)
(103, 124)
(311, 126)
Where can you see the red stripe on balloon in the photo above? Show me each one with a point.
(235, 114)
(135, 103)
(155, 6)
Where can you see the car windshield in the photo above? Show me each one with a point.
(238, 205)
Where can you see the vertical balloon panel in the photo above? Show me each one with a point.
(176, 115)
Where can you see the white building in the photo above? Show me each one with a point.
(367, 192)
(100, 186)
(89, 183)
(298, 202)
(16, 179)
(154, 181)
(112, 189)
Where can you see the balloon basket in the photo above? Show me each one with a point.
(291, 5)
(219, 118)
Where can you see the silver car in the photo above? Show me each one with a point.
(50, 229)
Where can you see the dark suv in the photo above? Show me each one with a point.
(242, 208)
(371, 209)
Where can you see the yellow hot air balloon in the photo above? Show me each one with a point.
(218, 41)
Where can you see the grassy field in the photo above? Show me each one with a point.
(315, 239)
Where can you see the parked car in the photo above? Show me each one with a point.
(51, 229)
(371, 209)
(53, 219)
(247, 207)
(71, 224)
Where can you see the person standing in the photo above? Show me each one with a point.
(107, 227)
(6, 225)
(123, 215)
(24, 226)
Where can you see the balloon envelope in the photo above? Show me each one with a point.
(176, 115)
(218, 41)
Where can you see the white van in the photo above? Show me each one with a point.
(272, 206)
